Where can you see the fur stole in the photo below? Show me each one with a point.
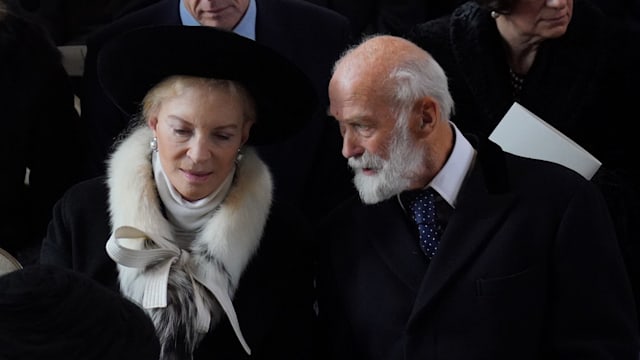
(218, 255)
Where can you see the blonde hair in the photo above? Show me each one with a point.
(176, 85)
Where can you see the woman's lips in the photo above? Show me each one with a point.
(196, 176)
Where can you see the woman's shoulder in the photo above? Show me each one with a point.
(86, 193)
(467, 19)
(432, 29)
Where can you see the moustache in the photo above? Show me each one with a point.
(366, 161)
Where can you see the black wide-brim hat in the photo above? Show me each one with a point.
(132, 63)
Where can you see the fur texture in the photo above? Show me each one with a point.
(219, 254)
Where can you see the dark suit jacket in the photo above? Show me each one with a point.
(391, 17)
(527, 268)
(309, 170)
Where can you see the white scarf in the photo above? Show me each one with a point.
(187, 216)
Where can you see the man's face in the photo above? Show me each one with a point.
(394, 174)
(379, 147)
(224, 14)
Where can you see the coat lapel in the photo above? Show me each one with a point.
(395, 244)
(483, 202)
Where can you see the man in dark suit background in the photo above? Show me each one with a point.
(308, 169)
(526, 264)
(69, 22)
(390, 17)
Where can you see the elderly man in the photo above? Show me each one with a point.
(456, 249)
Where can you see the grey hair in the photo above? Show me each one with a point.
(415, 78)
(411, 79)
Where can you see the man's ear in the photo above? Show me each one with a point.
(427, 112)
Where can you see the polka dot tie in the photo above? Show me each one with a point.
(423, 212)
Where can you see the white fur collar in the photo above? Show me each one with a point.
(220, 253)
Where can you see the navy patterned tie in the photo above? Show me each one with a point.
(423, 212)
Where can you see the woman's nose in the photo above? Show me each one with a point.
(198, 149)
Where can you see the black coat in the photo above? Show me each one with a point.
(584, 84)
(621, 10)
(391, 17)
(527, 268)
(273, 300)
(309, 170)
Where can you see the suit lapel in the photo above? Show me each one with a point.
(483, 202)
(393, 241)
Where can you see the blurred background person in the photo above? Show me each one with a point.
(392, 17)
(45, 141)
(49, 312)
(69, 22)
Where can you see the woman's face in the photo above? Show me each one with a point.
(546, 19)
(198, 135)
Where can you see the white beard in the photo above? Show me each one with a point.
(393, 175)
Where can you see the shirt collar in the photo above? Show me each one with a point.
(246, 27)
(449, 179)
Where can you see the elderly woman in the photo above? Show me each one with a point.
(184, 223)
(564, 61)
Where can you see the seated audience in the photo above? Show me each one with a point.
(44, 143)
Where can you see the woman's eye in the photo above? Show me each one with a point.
(223, 136)
(181, 132)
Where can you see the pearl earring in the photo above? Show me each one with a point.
(239, 156)
(153, 144)
(495, 14)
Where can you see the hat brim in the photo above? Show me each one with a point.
(132, 63)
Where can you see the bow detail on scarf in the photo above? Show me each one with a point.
(158, 262)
